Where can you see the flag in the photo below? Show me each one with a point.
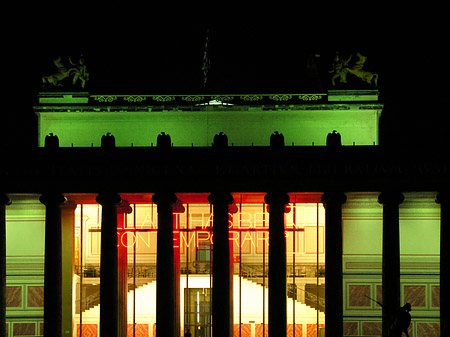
(206, 60)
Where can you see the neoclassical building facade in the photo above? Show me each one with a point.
(220, 215)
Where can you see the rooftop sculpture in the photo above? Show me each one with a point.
(342, 67)
(77, 71)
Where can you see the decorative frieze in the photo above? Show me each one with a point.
(53, 97)
(104, 99)
(196, 99)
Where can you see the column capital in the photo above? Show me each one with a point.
(274, 198)
(333, 198)
(442, 197)
(108, 198)
(391, 198)
(277, 201)
(218, 198)
(52, 198)
(161, 198)
(4, 199)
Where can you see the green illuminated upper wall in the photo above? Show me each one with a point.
(25, 229)
(303, 120)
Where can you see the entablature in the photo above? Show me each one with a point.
(284, 99)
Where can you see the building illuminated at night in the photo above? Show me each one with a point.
(227, 215)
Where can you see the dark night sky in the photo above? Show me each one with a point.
(144, 54)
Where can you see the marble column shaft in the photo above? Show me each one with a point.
(277, 202)
(333, 202)
(222, 297)
(53, 264)
(391, 256)
(109, 320)
(165, 285)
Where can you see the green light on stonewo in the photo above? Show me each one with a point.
(304, 123)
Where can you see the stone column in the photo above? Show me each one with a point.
(53, 264)
(108, 265)
(444, 200)
(67, 235)
(178, 209)
(277, 202)
(4, 201)
(165, 283)
(122, 264)
(333, 202)
(391, 256)
(222, 296)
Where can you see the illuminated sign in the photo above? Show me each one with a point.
(247, 230)
(197, 237)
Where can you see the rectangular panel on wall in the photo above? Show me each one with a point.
(242, 330)
(13, 296)
(428, 329)
(311, 329)
(358, 296)
(140, 330)
(298, 330)
(380, 293)
(88, 330)
(350, 328)
(24, 329)
(371, 328)
(415, 295)
(435, 296)
(261, 329)
(35, 296)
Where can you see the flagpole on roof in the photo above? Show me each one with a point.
(206, 58)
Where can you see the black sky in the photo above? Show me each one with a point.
(141, 53)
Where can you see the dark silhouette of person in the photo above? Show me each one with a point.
(187, 333)
(401, 322)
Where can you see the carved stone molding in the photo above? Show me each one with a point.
(391, 198)
(333, 198)
(108, 198)
(52, 198)
(218, 198)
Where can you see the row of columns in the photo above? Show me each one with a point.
(222, 292)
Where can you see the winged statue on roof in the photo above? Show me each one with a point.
(355, 66)
(76, 70)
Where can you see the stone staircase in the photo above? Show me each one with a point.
(254, 297)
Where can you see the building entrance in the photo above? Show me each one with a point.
(193, 242)
(197, 311)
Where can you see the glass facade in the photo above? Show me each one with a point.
(193, 244)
